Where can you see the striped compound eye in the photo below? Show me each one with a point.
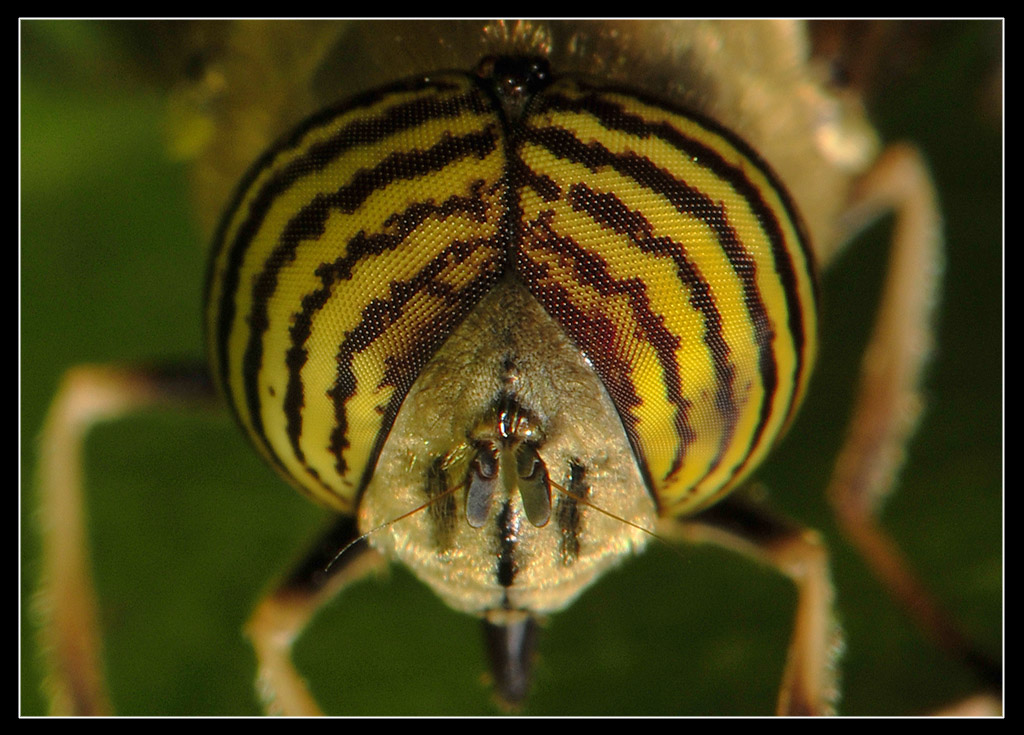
(516, 296)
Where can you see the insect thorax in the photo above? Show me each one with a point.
(510, 413)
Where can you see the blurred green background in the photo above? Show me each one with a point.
(189, 527)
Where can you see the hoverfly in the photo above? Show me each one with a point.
(584, 640)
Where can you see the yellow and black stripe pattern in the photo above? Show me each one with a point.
(660, 242)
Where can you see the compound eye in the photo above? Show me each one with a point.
(483, 481)
(533, 485)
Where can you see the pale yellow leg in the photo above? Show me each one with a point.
(809, 683)
(978, 705)
(70, 632)
(889, 402)
(282, 615)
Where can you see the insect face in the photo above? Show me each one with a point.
(620, 291)
(191, 527)
(508, 540)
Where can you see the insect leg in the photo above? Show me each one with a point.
(88, 394)
(888, 403)
(809, 683)
(282, 615)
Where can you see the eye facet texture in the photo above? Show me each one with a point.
(661, 244)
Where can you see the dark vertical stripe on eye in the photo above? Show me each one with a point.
(399, 226)
(402, 370)
(362, 131)
(688, 200)
(607, 210)
(612, 116)
(370, 129)
(309, 222)
(594, 335)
